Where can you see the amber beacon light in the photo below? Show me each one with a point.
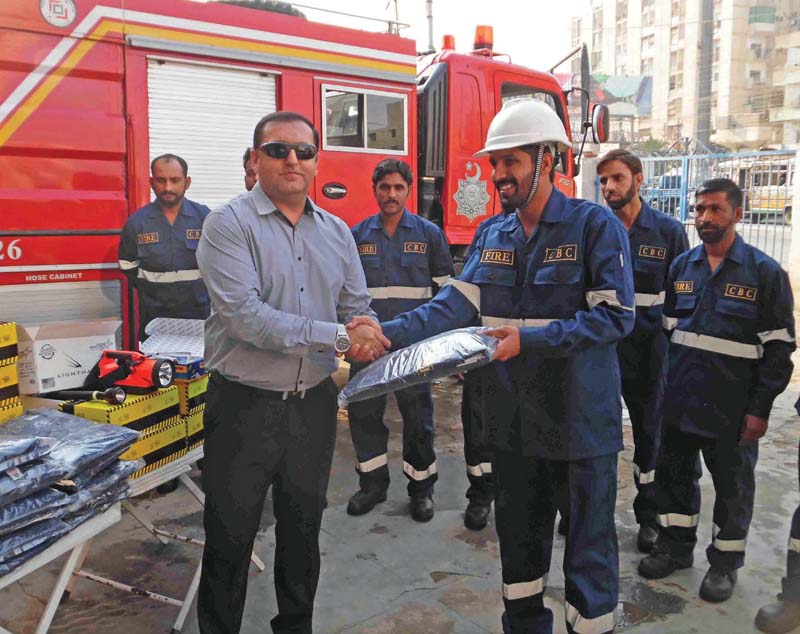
(484, 37)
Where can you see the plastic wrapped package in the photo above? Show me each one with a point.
(436, 357)
(88, 473)
(79, 443)
(28, 478)
(31, 536)
(10, 565)
(17, 450)
(96, 505)
(42, 505)
(107, 479)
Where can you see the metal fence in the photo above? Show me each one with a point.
(766, 179)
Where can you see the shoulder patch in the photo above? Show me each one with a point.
(193, 234)
(368, 248)
(498, 256)
(147, 238)
(564, 253)
(415, 247)
(684, 286)
(655, 253)
(737, 291)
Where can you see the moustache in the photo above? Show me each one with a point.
(506, 181)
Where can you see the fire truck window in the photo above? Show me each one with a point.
(344, 119)
(385, 122)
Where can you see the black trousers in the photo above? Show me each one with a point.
(791, 582)
(254, 440)
(478, 439)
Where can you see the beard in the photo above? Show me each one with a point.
(710, 234)
(626, 198)
(512, 202)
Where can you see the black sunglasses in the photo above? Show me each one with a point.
(280, 150)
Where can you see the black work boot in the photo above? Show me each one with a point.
(476, 517)
(422, 508)
(660, 564)
(364, 501)
(646, 540)
(717, 585)
(780, 617)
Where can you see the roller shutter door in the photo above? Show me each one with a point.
(206, 114)
(66, 301)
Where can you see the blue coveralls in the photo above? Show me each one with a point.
(401, 271)
(159, 260)
(478, 438)
(656, 239)
(731, 338)
(791, 582)
(556, 405)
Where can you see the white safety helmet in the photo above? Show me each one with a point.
(522, 122)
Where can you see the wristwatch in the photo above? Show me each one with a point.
(342, 342)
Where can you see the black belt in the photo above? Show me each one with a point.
(286, 395)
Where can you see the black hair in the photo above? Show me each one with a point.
(245, 158)
(392, 166)
(284, 116)
(725, 185)
(170, 157)
(623, 156)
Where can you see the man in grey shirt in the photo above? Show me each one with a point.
(284, 277)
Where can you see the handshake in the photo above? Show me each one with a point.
(367, 342)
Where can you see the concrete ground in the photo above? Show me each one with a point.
(383, 573)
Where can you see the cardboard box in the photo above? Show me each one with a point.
(58, 356)
(8, 343)
(137, 412)
(192, 393)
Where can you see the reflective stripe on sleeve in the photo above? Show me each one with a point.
(525, 589)
(479, 470)
(581, 625)
(609, 296)
(127, 265)
(646, 477)
(715, 344)
(677, 519)
(373, 463)
(441, 280)
(169, 277)
(726, 545)
(794, 544)
(647, 299)
(668, 323)
(776, 335)
(471, 291)
(494, 322)
(401, 292)
(424, 474)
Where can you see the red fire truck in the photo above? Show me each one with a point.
(91, 90)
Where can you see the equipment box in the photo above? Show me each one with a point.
(58, 356)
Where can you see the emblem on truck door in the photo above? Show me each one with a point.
(59, 13)
(471, 197)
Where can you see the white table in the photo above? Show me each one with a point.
(77, 543)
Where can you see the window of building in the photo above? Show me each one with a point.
(647, 66)
(761, 15)
(364, 120)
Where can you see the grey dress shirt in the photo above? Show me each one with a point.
(277, 292)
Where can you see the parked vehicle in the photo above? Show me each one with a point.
(767, 182)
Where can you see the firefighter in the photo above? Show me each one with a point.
(250, 175)
(728, 313)
(158, 246)
(784, 615)
(656, 239)
(553, 282)
(405, 258)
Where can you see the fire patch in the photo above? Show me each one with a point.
(147, 238)
(368, 248)
(684, 286)
(498, 256)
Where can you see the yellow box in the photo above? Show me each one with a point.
(9, 350)
(192, 393)
(158, 441)
(10, 408)
(194, 427)
(9, 382)
(137, 412)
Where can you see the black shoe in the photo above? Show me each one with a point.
(778, 618)
(563, 525)
(167, 487)
(422, 508)
(364, 501)
(476, 517)
(717, 585)
(648, 534)
(661, 564)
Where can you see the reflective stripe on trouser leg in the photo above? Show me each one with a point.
(419, 460)
(732, 469)
(678, 491)
(591, 559)
(370, 437)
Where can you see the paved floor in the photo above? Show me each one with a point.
(385, 574)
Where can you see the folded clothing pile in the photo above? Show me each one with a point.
(56, 472)
(434, 358)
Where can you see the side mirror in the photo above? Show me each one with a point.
(600, 118)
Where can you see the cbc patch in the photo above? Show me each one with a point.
(655, 253)
(498, 256)
(415, 247)
(737, 291)
(368, 248)
(564, 253)
(684, 286)
(193, 234)
(147, 238)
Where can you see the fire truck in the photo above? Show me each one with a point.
(92, 90)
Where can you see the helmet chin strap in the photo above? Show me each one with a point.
(537, 172)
